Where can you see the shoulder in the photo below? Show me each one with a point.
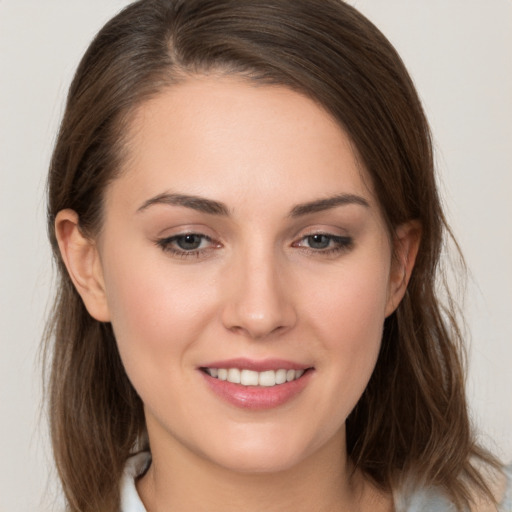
(135, 466)
(500, 483)
(423, 500)
(506, 501)
(434, 500)
(502, 489)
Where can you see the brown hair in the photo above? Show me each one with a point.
(412, 419)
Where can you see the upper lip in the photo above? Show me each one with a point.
(261, 365)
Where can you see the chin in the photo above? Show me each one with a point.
(265, 461)
(259, 453)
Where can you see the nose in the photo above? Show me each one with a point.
(258, 301)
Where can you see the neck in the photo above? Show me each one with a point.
(180, 480)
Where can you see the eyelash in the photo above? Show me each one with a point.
(342, 244)
(168, 245)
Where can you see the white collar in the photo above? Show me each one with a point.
(135, 466)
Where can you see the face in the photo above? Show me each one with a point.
(243, 242)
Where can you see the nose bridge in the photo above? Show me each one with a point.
(258, 303)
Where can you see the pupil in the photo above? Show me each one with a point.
(189, 242)
(319, 241)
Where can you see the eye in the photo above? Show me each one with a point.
(187, 244)
(319, 241)
(325, 243)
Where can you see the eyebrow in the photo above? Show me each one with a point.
(212, 207)
(327, 204)
(200, 204)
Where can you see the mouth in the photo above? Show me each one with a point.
(245, 377)
(257, 385)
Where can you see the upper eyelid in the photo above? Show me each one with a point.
(333, 227)
(185, 229)
(333, 232)
(333, 237)
(172, 238)
(186, 233)
(168, 245)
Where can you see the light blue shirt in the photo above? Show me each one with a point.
(423, 501)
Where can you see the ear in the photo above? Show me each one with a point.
(81, 257)
(406, 243)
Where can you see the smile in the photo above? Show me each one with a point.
(256, 385)
(267, 378)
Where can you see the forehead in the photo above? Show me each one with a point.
(229, 137)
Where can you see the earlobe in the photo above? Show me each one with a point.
(406, 243)
(80, 255)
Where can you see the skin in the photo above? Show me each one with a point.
(257, 287)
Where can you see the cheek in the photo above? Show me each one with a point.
(351, 303)
(156, 312)
(348, 316)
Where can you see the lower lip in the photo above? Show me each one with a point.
(257, 397)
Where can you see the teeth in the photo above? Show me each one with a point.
(234, 375)
(249, 378)
(267, 378)
(281, 376)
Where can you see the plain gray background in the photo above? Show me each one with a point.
(460, 56)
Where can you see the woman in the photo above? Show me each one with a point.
(243, 208)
